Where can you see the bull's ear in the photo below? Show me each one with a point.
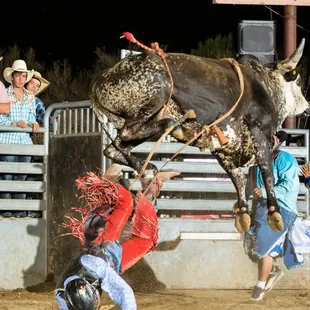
(290, 63)
(293, 74)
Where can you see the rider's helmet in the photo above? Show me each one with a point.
(81, 295)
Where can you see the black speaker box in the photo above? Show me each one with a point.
(257, 38)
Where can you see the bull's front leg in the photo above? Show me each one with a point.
(274, 218)
(264, 162)
(120, 153)
(242, 219)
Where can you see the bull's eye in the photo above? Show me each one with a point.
(291, 75)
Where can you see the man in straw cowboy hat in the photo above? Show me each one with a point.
(4, 98)
(35, 86)
(22, 114)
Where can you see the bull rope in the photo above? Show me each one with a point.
(155, 48)
(205, 128)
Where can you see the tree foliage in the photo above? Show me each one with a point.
(66, 86)
(219, 47)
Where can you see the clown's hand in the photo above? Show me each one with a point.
(305, 171)
(257, 193)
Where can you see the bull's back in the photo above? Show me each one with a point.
(128, 86)
(209, 86)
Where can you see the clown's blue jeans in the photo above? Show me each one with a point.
(15, 177)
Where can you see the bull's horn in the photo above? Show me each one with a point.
(291, 62)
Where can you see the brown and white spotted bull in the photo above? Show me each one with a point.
(135, 96)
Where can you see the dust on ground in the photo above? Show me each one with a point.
(41, 297)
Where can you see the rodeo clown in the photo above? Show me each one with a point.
(262, 244)
(98, 265)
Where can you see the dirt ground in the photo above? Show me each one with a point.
(41, 298)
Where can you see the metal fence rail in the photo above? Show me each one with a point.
(32, 168)
(201, 178)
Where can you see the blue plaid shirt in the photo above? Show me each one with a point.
(20, 111)
(40, 111)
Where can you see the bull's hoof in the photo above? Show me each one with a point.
(243, 222)
(238, 223)
(178, 134)
(275, 221)
(190, 114)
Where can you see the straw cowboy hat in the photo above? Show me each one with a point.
(19, 66)
(44, 83)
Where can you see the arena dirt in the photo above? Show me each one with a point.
(41, 297)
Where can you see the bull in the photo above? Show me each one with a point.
(145, 94)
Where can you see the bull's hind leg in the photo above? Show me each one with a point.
(274, 217)
(264, 161)
(154, 128)
(120, 153)
(242, 219)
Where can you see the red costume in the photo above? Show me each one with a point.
(112, 204)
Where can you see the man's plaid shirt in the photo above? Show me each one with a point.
(20, 111)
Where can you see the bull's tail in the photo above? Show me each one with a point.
(102, 119)
(94, 104)
(99, 114)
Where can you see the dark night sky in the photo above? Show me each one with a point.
(65, 29)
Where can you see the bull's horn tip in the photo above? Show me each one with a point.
(302, 43)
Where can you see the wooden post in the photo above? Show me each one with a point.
(289, 33)
(290, 26)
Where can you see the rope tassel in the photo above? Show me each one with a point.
(97, 191)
